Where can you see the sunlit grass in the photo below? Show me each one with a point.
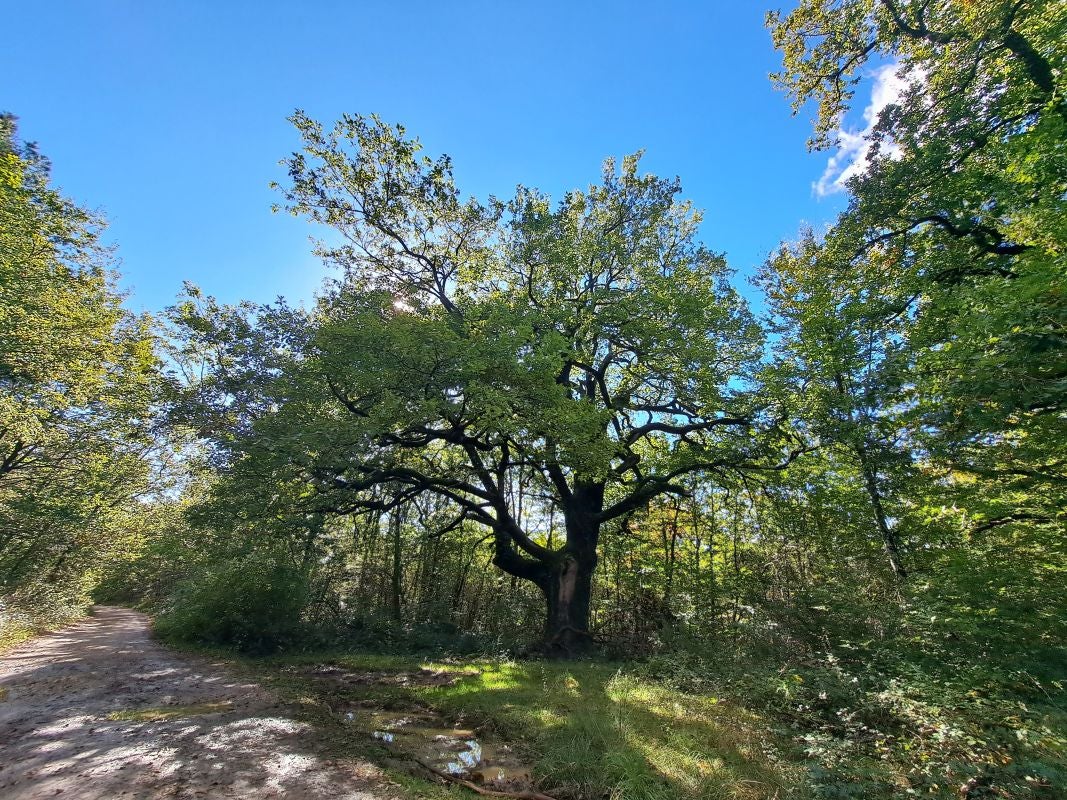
(590, 729)
(595, 730)
(13, 636)
(164, 713)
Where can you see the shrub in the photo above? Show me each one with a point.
(40, 607)
(255, 603)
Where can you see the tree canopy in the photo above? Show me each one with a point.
(76, 373)
(952, 249)
(588, 356)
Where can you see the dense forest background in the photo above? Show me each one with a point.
(526, 426)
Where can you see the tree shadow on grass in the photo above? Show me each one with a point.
(593, 731)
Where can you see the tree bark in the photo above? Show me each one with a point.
(889, 537)
(397, 574)
(568, 582)
(565, 576)
(568, 590)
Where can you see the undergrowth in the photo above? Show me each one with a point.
(925, 696)
(590, 729)
(38, 608)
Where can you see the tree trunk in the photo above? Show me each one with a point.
(565, 576)
(568, 580)
(889, 537)
(397, 574)
(670, 553)
(568, 590)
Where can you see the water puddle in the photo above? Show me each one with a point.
(452, 749)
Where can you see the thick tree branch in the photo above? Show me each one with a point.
(657, 426)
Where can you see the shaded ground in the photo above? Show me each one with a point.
(99, 710)
(568, 729)
(379, 703)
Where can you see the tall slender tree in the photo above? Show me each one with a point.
(961, 201)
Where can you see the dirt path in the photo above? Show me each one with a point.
(99, 710)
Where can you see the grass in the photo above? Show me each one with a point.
(881, 724)
(590, 729)
(163, 713)
(23, 622)
(14, 635)
(599, 730)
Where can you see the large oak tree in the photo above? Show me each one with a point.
(590, 351)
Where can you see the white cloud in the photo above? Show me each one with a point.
(854, 146)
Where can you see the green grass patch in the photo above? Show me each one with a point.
(14, 635)
(596, 730)
(164, 713)
(589, 729)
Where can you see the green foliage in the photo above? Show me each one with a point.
(838, 557)
(927, 327)
(255, 603)
(512, 361)
(76, 383)
(952, 248)
(38, 607)
(913, 690)
(161, 553)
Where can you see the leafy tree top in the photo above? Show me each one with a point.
(593, 347)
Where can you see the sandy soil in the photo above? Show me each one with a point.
(196, 731)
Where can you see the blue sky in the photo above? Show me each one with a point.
(171, 117)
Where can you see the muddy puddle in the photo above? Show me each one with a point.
(452, 749)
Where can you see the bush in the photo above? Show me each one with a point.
(916, 697)
(255, 603)
(39, 607)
